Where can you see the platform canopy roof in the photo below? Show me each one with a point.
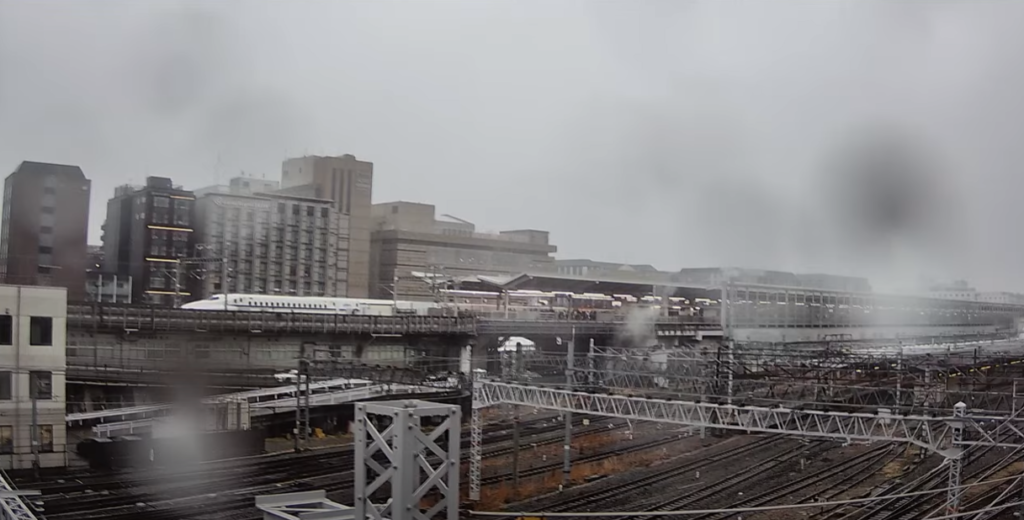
(637, 284)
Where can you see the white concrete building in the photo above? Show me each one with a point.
(33, 330)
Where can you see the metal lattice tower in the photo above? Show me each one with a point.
(476, 441)
(417, 463)
(956, 462)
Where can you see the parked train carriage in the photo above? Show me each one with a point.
(137, 451)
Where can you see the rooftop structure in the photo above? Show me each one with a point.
(584, 267)
(409, 237)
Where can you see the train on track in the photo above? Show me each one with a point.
(311, 305)
(448, 300)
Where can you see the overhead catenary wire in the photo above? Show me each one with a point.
(688, 512)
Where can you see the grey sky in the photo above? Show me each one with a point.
(674, 133)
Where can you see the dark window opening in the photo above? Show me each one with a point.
(46, 230)
(324, 212)
(45, 438)
(6, 440)
(295, 210)
(49, 210)
(6, 329)
(40, 331)
(6, 384)
(310, 211)
(45, 250)
(40, 384)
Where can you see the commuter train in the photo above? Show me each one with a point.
(309, 305)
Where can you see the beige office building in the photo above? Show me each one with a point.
(410, 240)
(348, 182)
(274, 242)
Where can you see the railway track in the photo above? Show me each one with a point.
(260, 463)
(589, 499)
(716, 490)
(330, 480)
(912, 507)
(266, 475)
(852, 468)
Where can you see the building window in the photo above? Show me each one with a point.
(6, 440)
(295, 210)
(45, 438)
(310, 211)
(324, 212)
(6, 378)
(40, 384)
(161, 202)
(49, 210)
(45, 250)
(6, 329)
(43, 269)
(40, 331)
(394, 210)
(46, 230)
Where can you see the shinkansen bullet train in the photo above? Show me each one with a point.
(309, 305)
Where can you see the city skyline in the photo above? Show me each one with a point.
(719, 137)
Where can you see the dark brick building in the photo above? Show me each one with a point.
(146, 231)
(45, 226)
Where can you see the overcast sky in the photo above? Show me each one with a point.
(871, 138)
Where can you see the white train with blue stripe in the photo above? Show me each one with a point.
(310, 305)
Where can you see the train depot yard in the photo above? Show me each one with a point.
(834, 418)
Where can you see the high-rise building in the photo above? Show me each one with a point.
(45, 226)
(411, 244)
(274, 243)
(348, 183)
(147, 231)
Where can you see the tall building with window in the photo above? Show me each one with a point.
(45, 226)
(348, 183)
(148, 230)
(33, 337)
(273, 243)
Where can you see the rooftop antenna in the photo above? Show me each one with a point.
(216, 169)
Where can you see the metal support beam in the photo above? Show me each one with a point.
(570, 354)
(956, 462)
(475, 447)
(11, 505)
(406, 448)
(933, 433)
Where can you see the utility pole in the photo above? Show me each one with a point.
(302, 391)
(515, 451)
(34, 437)
(177, 284)
(570, 352)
